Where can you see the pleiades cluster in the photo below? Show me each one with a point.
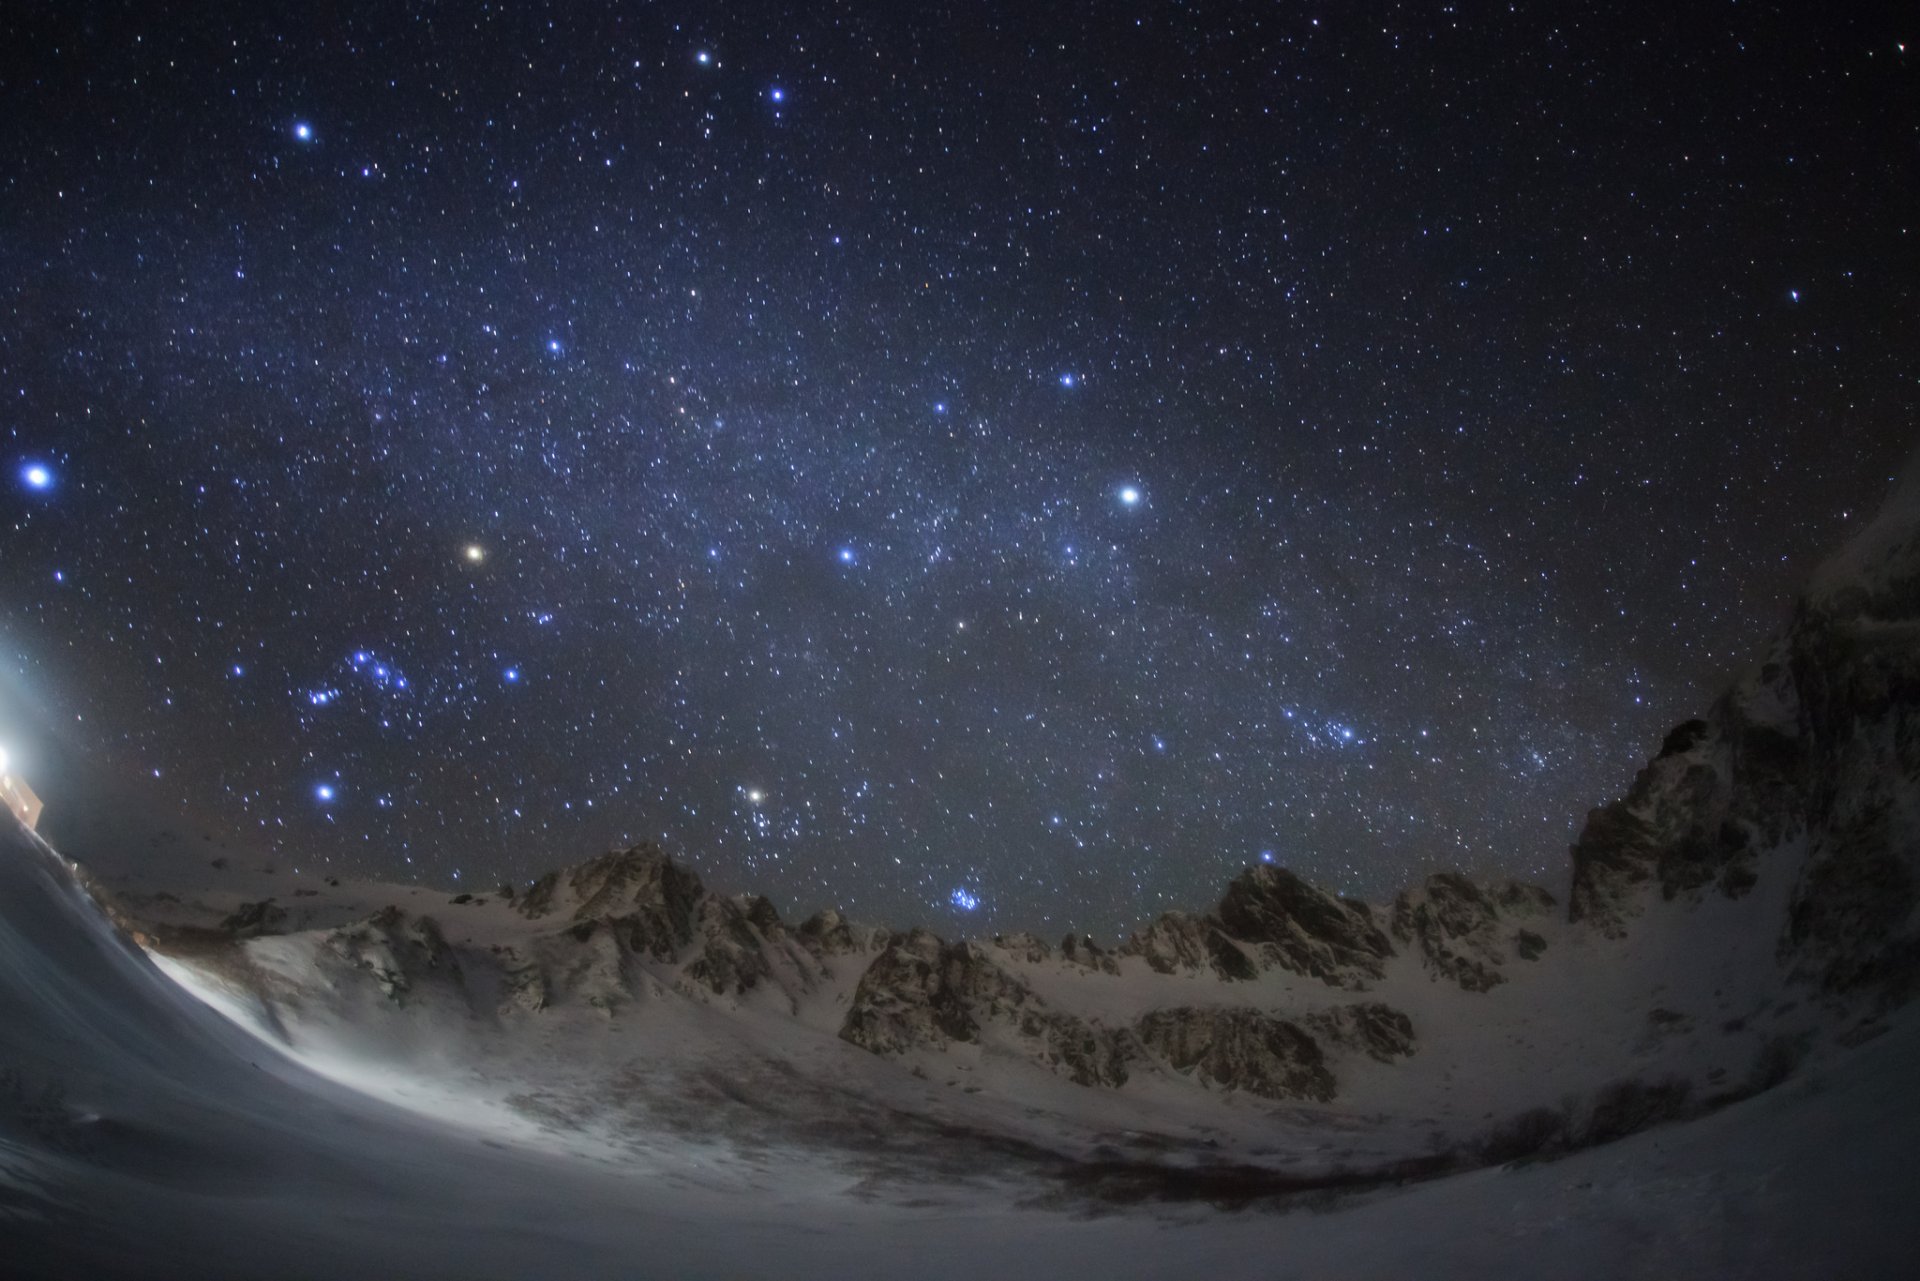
(993, 465)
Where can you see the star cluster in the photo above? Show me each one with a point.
(1007, 466)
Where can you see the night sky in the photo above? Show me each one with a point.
(993, 465)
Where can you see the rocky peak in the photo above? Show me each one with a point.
(1182, 941)
(646, 893)
(1082, 951)
(1024, 946)
(827, 933)
(1304, 929)
(1462, 932)
(924, 993)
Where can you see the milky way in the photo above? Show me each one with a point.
(988, 467)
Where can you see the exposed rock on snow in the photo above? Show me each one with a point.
(1821, 745)
(399, 951)
(1182, 941)
(647, 894)
(1239, 1049)
(1082, 951)
(1461, 932)
(250, 920)
(1376, 1030)
(923, 993)
(1026, 947)
(1305, 929)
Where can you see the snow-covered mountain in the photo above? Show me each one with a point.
(1735, 947)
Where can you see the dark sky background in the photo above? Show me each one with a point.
(996, 465)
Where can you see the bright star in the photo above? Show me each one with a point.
(846, 556)
(324, 791)
(964, 899)
(553, 345)
(777, 94)
(511, 675)
(474, 553)
(755, 796)
(303, 131)
(1068, 380)
(37, 476)
(704, 58)
(1130, 495)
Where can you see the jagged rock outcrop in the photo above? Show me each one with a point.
(1239, 1049)
(1182, 941)
(399, 951)
(1854, 922)
(1374, 1029)
(1462, 932)
(1304, 929)
(1082, 951)
(1817, 755)
(923, 993)
(251, 920)
(733, 951)
(1024, 946)
(649, 898)
(1722, 789)
(827, 933)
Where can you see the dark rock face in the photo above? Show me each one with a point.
(1024, 946)
(733, 953)
(1722, 789)
(1305, 929)
(401, 952)
(826, 933)
(1082, 951)
(1182, 941)
(923, 993)
(1239, 1049)
(650, 898)
(251, 920)
(1459, 931)
(1376, 1030)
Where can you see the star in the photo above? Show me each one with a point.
(1130, 496)
(37, 476)
(302, 131)
(846, 556)
(777, 94)
(1069, 380)
(704, 58)
(473, 553)
(324, 791)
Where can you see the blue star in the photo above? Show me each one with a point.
(324, 791)
(1130, 495)
(511, 675)
(302, 131)
(37, 476)
(846, 556)
(704, 58)
(1069, 380)
(964, 899)
(554, 347)
(777, 94)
